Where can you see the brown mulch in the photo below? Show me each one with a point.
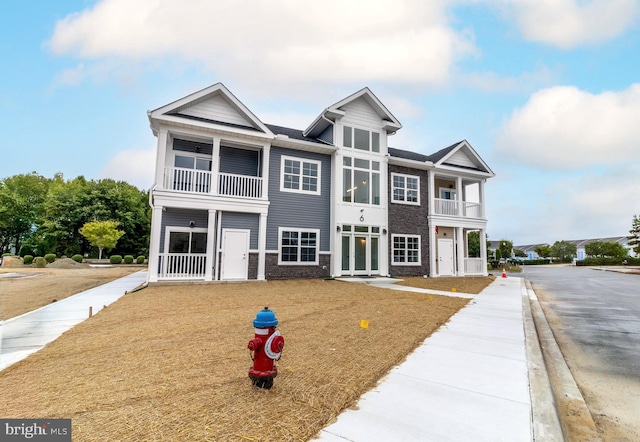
(170, 362)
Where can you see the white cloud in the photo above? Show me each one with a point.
(564, 127)
(135, 166)
(493, 82)
(280, 44)
(571, 23)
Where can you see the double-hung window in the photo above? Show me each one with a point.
(298, 246)
(406, 249)
(405, 189)
(300, 175)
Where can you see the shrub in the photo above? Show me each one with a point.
(7, 254)
(28, 259)
(140, 259)
(77, 258)
(40, 262)
(128, 259)
(50, 257)
(115, 259)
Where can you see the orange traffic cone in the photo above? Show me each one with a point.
(504, 273)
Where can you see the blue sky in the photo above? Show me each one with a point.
(546, 91)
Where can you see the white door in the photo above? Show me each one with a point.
(445, 257)
(235, 254)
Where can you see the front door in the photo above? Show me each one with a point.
(445, 257)
(235, 254)
(360, 251)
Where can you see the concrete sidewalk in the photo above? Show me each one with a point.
(28, 333)
(468, 381)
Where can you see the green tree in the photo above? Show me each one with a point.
(564, 250)
(634, 237)
(102, 234)
(519, 253)
(605, 249)
(543, 251)
(21, 208)
(505, 248)
(473, 244)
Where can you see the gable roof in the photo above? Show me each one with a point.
(199, 106)
(335, 111)
(460, 155)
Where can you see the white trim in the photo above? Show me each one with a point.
(393, 187)
(406, 263)
(300, 175)
(168, 230)
(299, 246)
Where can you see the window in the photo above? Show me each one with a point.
(298, 246)
(360, 181)
(191, 241)
(192, 174)
(405, 189)
(406, 249)
(361, 139)
(300, 175)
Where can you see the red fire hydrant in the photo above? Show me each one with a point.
(265, 347)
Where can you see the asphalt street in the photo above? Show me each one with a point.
(595, 317)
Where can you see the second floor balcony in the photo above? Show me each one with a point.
(452, 207)
(203, 182)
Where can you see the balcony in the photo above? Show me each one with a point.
(451, 207)
(200, 181)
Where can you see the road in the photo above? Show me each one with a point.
(595, 317)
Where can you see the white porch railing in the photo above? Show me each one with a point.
(474, 266)
(240, 185)
(182, 266)
(199, 181)
(450, 208)
(446, 207)
(187, 180)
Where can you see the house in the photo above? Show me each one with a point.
(236, 199)
(581, 245)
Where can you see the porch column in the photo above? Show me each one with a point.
(161, 154)
(215, 166)
(460, 196)
(266, 153)
(154, 243)
(481, 198)
(262, 246)
(211, 228)
(432, 193)
(460, 251)
(433, 252)
(483, 251)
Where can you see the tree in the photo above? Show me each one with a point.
(473, 244)
(605, 249)
(519, 253)
(102, 234)
(634, 238)
(543, 251)
(564, 250)
(505, 248)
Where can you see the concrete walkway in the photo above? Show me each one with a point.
(28, 333)
(468, 381)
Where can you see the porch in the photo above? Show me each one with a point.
(185, 180)
(457, 197)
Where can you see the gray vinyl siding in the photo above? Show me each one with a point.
(299, 210)
(172, 217)
(192, 146)
(327, 135)
(239, 161)
(246, 221)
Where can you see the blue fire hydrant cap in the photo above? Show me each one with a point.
(265, 318)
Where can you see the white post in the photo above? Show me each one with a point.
(262, 246)
(161, 154)
(154, 243)
(459, 196)
(460, 251)
(483, 251)
(266, 153)
(432, 251)
(210, 259)
(215, 166)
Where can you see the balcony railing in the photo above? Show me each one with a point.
(200, 181)
(452, 208)
(181, 266)
(474, 266)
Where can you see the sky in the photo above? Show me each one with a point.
(546, 91)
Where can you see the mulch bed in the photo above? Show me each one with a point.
(170, 362)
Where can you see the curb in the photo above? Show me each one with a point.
(546, 424)
(568, 404)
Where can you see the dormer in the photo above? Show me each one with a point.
(359, 121)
